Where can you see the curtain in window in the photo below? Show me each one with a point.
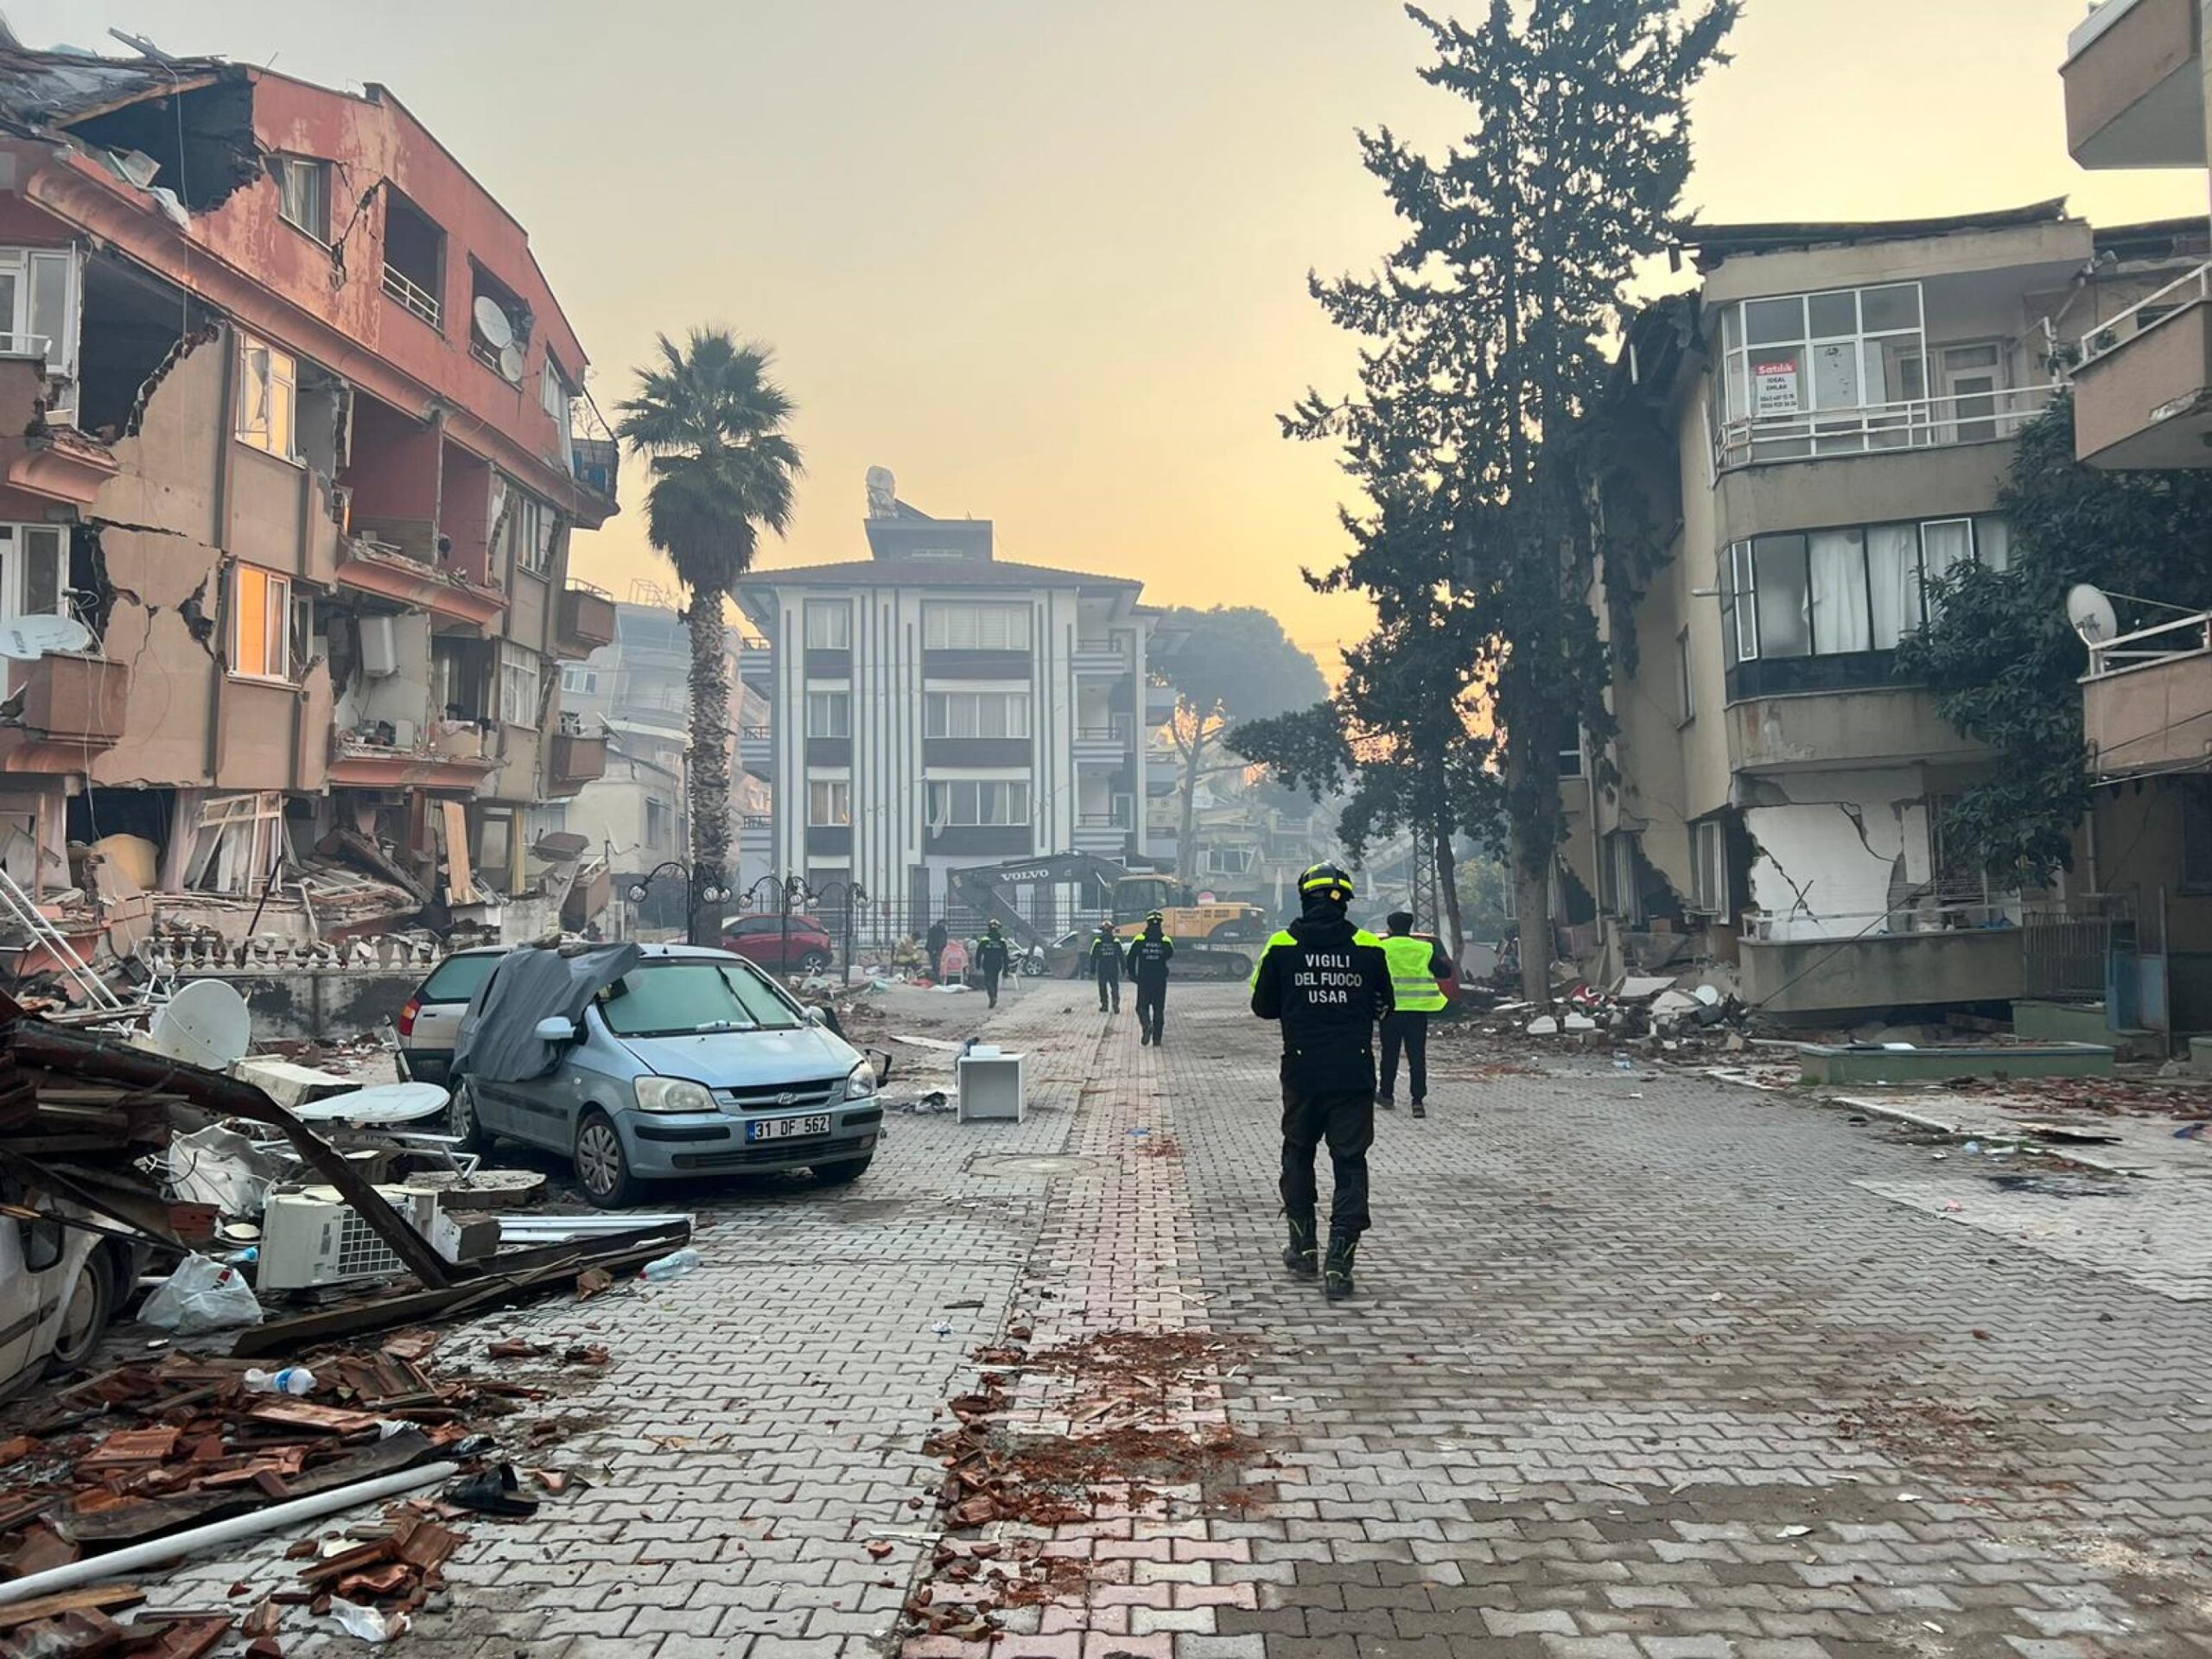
(1944, 544)
(1893, 581)
(1782, 603)
(1838, 592)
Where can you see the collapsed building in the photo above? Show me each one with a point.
(286, 424)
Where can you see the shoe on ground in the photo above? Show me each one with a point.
(1302, 1254)
(1387, 1102)
(1335, 1269)
(1421, 1108)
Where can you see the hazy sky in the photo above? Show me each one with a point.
(1045, 259)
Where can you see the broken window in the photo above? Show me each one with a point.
(39, 293)
(303, 193)
(414, 258)
(33, 570)
(269, 393)
(261, 625)
(519, 673)
(238, 842)
(1709, 868)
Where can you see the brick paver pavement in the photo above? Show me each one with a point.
(1645, 1368)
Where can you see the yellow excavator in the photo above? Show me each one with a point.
(1217, 941)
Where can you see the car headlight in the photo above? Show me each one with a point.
(860, 1085)
(672, 1095)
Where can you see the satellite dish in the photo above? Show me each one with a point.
(29, 638)
(882, 493)
(387, 1103)
(511, 360)
(205, 1024)
(2091, 614)
(491, 322)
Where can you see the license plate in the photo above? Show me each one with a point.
(787, 1128)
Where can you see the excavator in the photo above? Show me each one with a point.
(1212, 941)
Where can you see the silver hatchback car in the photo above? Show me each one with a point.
(692, 1062)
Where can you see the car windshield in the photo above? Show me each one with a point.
(457, 977)
(676, 998)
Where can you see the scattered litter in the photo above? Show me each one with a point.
(203, 1294)
(675, 1265)
(1794, 1532)
(367, 1623)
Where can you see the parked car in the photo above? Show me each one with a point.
(692, 1062)
(61, 1287)
(431, 1018)
(761, 940)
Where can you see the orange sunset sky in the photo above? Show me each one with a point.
(1046, 259)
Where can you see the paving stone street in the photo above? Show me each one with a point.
(1641, 1368)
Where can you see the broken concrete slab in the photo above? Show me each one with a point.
(1878, 1063)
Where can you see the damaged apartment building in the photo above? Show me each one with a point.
(287, 429)
(1828, 417)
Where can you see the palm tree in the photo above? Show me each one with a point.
(709, 421)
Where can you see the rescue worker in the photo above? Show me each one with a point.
(1417, 969)
(1106, 966)
(1328, 982)
(1149, 955)
(991, 958)
(935, 938)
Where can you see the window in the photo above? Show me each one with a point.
(302, 192)
(829, 625)
(1226, 861)
(1852, 348)
(1708, 869)
(261, 625)
(535, 526)
(499, 325)
(1623, 895)
(968, 802)
(414, 258)
(519, 673)
(1685, 686)
(268, 398)
(829, 714)
(38, 307)
(580, 681)
(1829, 593)
(33, 570)
(657, 822)
(976, 628)
(236, 844)
(1570, 760)
(976, 714)
(553, 392)
(828, 802)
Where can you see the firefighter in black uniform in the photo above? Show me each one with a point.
(1328, 982)
(1149, 955)
(1106, 966)
(991, 959)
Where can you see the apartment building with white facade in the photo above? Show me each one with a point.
(933, 708)
(1830, 415)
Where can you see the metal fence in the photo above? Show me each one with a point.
(2064, 951)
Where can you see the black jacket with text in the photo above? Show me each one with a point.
(1328, 982)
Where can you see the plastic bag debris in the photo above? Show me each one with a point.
(369, 1624)
(202, 1294)
(221, 1168)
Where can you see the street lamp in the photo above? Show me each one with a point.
(845, 895)
(697, 894)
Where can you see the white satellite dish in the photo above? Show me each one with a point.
(491, 322)
(205, 1024)
(2091, 614)
(29, 638)
(386, 1102)
(511, 362)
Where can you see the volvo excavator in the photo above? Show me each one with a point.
(1212, 941)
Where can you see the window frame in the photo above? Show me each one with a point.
(580, 678)
(274, 592)
(937, 721)
(839, 698)
(816, 804)
(1739, 587)
(1016, 804)
(535, 527)
(940, 616)
(517, 668)
(284, 166)
(1685, 678)
(14, 580)
(1709, 888)
(826, 610)
(280, 368)
(21, 318)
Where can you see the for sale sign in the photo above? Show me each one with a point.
(1774, 386)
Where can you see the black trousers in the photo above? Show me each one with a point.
(1152, 1007)
(991, 985)
(1410, 1029)
(1110, 980)
(1346, 1120)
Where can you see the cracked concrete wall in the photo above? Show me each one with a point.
(1836, 850)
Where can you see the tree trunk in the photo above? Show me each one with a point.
(1447, 890)
(707, 776)
(1531, 895)
(1186, 841)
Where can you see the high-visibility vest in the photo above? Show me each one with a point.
(1412, 988)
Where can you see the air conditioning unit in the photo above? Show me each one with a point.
(310, 1236)
(379, 647)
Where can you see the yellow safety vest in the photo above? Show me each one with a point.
(1413, 987)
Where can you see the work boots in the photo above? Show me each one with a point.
(1300, 1256)
(1335, 1271)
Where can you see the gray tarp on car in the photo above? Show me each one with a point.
(499, 1038)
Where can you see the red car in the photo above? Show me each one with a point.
(761, 940)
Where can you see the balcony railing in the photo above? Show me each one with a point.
(412, 294)
(755, 734)
(1876, 428)
(2188, 636)
(1103, 821)
(2144, 314)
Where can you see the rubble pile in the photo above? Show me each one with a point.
(156, 1454)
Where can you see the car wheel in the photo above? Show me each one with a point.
(814, 962)
(1033, 968)
(461, 1121)
(602, 1168)
(843, 1172)
(85, 1315)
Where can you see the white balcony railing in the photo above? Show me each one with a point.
(1917, 423)
(2190, 636)
(2144, 314)
(412, 294)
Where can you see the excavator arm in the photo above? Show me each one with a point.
(987, 885)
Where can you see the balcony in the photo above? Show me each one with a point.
(2143, 392)
(1102, 832)
(596, 464)
(2146, 701)
(586, 622)
(1880, 429)
(1104, 743)
(1826, 718)
(756, 658)
(371, 567)
(2134, 91)
(452, 754)
(1817, 979)
(1100, 656)
(72, 706)
(413, 297)
(1159, 704)
(756, 747)
(756, 830)
(573, 760)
